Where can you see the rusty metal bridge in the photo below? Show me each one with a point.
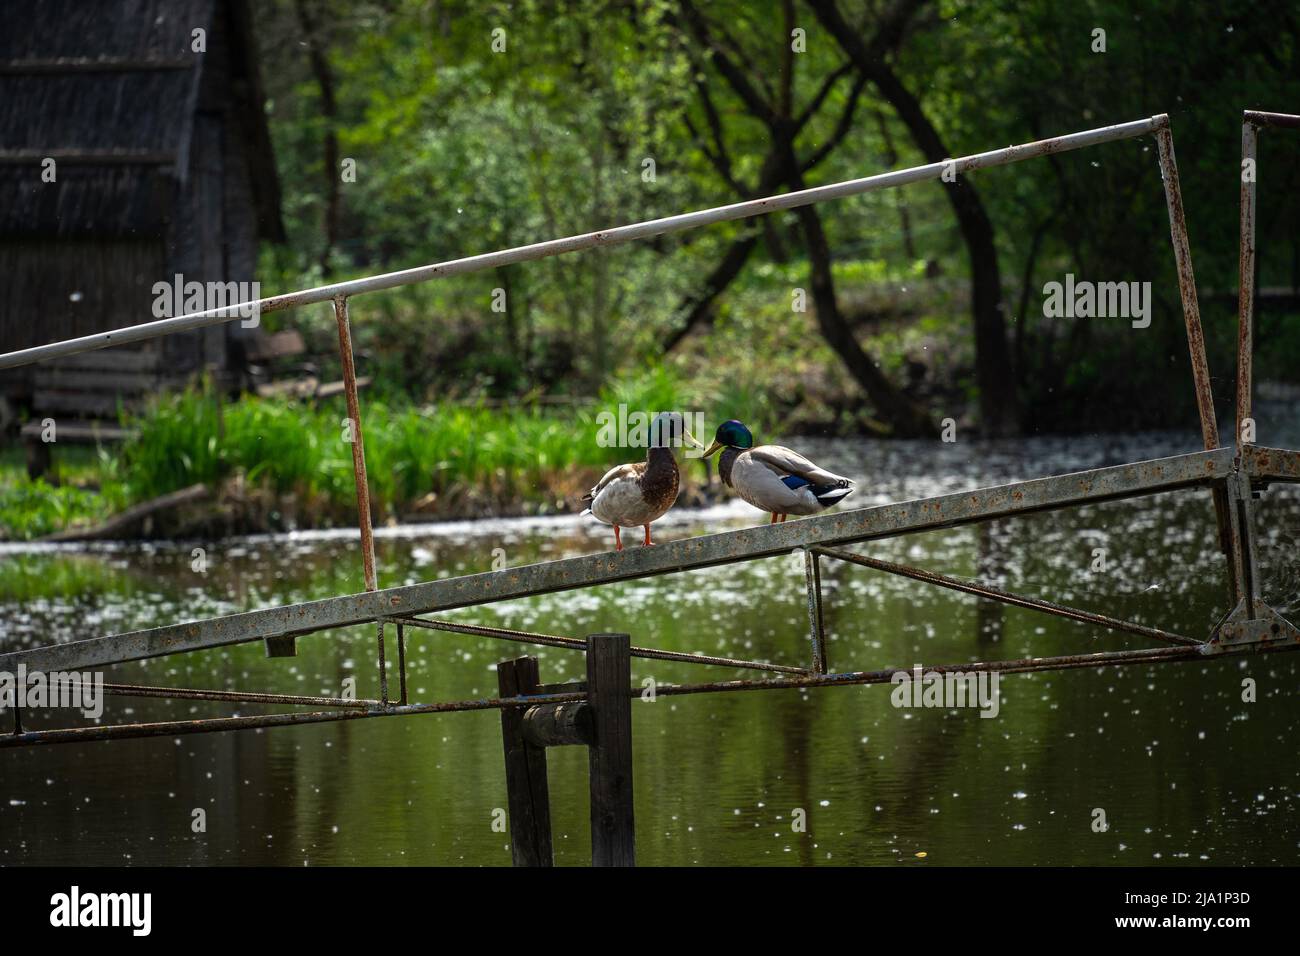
(536, 715)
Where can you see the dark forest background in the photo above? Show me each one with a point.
(460, 148)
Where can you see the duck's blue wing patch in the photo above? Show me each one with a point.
(794, 482)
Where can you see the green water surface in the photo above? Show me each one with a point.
(1184, 770)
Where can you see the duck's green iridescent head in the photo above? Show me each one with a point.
(731, 434)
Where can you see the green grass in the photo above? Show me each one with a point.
(31, 509)
(84, 490)
(525, 456)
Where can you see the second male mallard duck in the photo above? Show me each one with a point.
(774, 478)
(641, 492)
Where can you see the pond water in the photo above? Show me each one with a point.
(1184, 770)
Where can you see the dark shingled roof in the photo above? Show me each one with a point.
(108, 89)
(100, 29)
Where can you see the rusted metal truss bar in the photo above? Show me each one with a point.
(237, 696)
(1264, 465)
(1251, 621)
(168, 728)
(605, 237)
(1279, 120)
(574, 644)
(1196, 342)
(1158, 655)
(1252, 122)
(1006, 597)
(1246, 282)
(1187, 291)
(848, 679)
(816, 616)
(1040, 494)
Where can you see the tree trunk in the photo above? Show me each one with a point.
(511, 316)
(320, 69)
(900, 201)
(782, 165)
(907, 419)
(698, 310)
(994, 374)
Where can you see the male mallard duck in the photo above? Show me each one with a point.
(773, 478)
(641, 492)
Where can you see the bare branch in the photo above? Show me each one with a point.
(723, 163)
(842, 128)
(730, 70)
(816, 102)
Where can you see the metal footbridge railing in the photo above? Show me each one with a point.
(1234, 475)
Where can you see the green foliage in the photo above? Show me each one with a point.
(460, 150)
(176, 445)
(32, 509)
(294, 448)
(512, 452)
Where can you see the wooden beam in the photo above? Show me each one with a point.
(94, 157)
(526, 789)
(609, 684)
(559, 725)
(63, 65)
(120, 524)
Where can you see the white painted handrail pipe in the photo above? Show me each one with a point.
(605, 237)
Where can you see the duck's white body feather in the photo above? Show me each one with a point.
(617, 498)
(756, 475)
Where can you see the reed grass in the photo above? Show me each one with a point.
(529, 457)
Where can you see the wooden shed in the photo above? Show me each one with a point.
(133, 148)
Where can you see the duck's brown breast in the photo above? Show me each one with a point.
(659, 484)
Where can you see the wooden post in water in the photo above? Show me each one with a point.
(602, 723)
(527, 794)
(609, 689)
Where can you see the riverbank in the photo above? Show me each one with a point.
(235, 507)
(268, 465)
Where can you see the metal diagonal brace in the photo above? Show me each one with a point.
(603, 238)
(1005, 597)
(574, 644)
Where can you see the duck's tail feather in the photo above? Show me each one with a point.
(828, 495)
